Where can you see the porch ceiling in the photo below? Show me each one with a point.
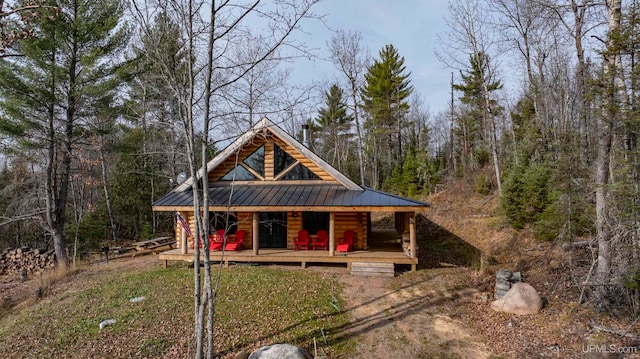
(291, 197)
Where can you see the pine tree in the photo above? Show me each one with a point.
(51, 92)
(334, 125)
(474, 123)
(385, 96)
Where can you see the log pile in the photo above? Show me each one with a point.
(27, 259)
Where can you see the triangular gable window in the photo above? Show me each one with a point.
(300, 172)
(256, 161)
(282, 160)
(239, 174)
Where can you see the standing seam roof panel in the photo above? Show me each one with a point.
(291, 196)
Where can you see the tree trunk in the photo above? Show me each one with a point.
(50, 186)
(579, 12)
(107, 195)
(356, 117)
(610, 106)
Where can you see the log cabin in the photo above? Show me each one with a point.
(270, 186)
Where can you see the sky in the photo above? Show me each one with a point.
(411, 26)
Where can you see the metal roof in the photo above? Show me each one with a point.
(291, 197)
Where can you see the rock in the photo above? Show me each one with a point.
(521, 299)
(280, 351)
(504, 279)
(104, 323)
(503, 274)
(516, 277)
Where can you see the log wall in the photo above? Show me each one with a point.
(245, 222)
(294, 224)
(355, 221)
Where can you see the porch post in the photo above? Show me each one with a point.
(332, 235)
(255, 237)
(183, 237)
(412, 234)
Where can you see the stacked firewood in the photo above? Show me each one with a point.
(25, 259)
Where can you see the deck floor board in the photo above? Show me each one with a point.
(295, 256)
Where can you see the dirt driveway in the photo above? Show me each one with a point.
(413, 315)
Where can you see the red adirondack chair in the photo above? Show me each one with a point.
(237, 243)
(302, 240)
(321, 241)
(345, 243)
(217, 242)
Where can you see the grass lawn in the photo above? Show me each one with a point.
(255, 306)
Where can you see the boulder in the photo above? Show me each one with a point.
(280, 351)
(521, 299)
(504, 280)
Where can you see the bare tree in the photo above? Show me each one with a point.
(469, 34)
(579, 18)
(265, 89)
(204, 76)
(352, 60)
(611, 110)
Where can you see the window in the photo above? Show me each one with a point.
(315, 221)
(282, 160)
(300, 172)
(239, 174)
(256, 161)
(223, 220)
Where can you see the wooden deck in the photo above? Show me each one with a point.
(300, 256)
(384, 248)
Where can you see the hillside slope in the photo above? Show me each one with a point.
(564, 328)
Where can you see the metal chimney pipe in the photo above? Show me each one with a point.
(305, 135)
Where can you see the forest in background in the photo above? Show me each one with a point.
(92, 125)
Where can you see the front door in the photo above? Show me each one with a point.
(273, 230)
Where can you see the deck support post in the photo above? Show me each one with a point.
(255, 236)
(332, 233)
(412, 235)
(183, 237)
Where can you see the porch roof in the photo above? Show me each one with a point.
(318, 197)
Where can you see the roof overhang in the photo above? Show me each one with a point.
(292, 197)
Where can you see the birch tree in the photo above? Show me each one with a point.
(352, 60)
(208, 75)
(611, 109)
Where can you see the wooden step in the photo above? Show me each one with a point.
(373, 269)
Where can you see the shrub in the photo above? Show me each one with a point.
(484, 185)
(525, 194)
(566, 216)
(481, 156)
